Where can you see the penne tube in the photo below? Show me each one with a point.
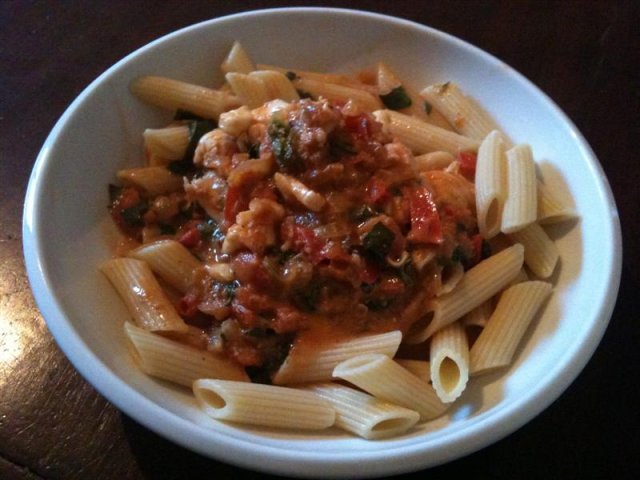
(465, 114)
(449, 361)
(322, 77)
(497, 343)
(143, 295)
(177, 362)
(153, 180)
(237, 60)
(450, 276)
(168, 143)
(362, 98)
(521, 202)
(171, 261)
(422, 137)
(551, 209)
(309, 363)
(363, 414)
(491, 184)
(540, 252)
(277, 85)
(264, 405)
(420, 368)
(432, 161)
(478, 316)
(387, 81)
(251, 91)
(383, 378)
(478, 285)
(173, 95)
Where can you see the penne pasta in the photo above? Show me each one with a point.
(176, 362)
(321, 77)
(143, 295)
(479, 284)
(174, 94)
(264, 405)
(521, 203)
(383, 378)
(551, 209)
(237, 60)
(168, 143)
(362, 98)
(153, 180)
(315, 364)
(540, 252)
(422, 137)
(420, 368)
(497, 343)
(465, 114)
(449, 361)
(491, 184)
(171, 261)
(363, 414)
(277, 85)
(478, 316)
(251, 91)
(433, 161)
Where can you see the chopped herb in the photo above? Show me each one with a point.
(377, 304)
(114, 192)
(282, 146)
(292, 75)
(378, 241)
(133, 215)
(459, 255)
(229, 290)
(259, 332)
(182, 114)
(427, 107)
(407, 274)
(365, 212)
(166, 229)
(308, 299)
(284, 257)
(341, 144)
(443, 88)
(396, 99)
(254, 150)
(197, 128)
(211, 230)
(304, 94)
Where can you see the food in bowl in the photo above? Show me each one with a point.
(294, 232)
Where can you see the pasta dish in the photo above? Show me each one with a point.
(339, 243)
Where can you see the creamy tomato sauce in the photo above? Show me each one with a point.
(312, 224)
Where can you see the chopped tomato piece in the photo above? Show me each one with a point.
(377, 191)
(188, 305)
(191, 237)
(468, 162)
(235, 202)
(425, 221)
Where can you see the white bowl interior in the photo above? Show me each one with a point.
(67, 233)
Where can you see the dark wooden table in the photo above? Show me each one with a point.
(585, 55)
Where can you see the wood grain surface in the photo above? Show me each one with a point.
(584, 54)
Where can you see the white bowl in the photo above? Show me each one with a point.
(67, 232)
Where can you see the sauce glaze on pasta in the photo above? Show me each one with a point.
(310, 221)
